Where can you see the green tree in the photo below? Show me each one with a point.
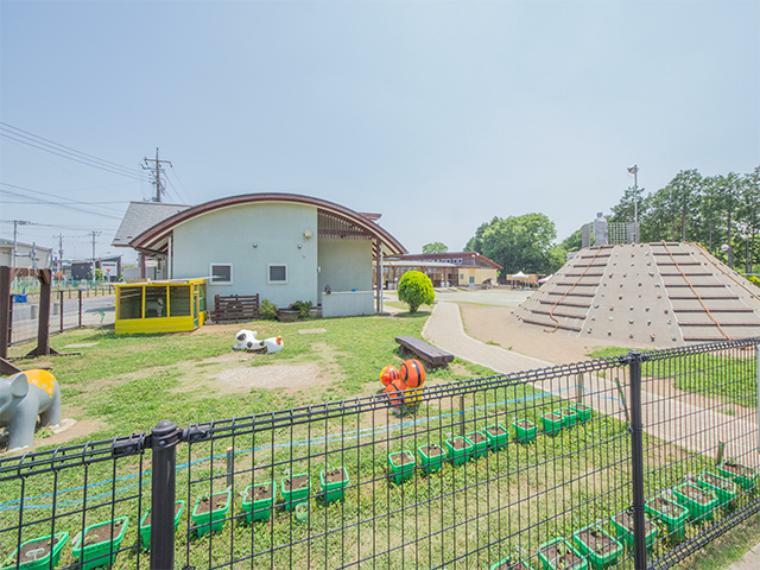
(415, 289)
(475, 243)
(435, 247)
(574, 241)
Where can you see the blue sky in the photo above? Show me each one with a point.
(439, 115)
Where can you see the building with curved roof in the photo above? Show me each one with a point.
(284, 247)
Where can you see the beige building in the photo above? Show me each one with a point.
(450, 269)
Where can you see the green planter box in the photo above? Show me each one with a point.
(552, 422)
(596, 544)
(725, 489)
(569, 416)
(479, 444)
(95, 547)
(210, 512)
(743, 476)
(37, 553)
(179, 508)
(460, 448)
(559, 554)
(623, 524)
(525, 430)
(672, 514)
(497, 436)
(295, 489)
(258, 501)
(333, 484)
(401, 466)
(507, 564)
(584, 412)
(700, 502)
(431, 457)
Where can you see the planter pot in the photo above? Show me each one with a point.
(584, 412)
(315, 313)
(99, 544)
(459, 449)
(700, 502)
(743, 476)
(479, 444)
(507, 564)
(553, 422)
(333, 484)
(671, 513)
(569, 417)
(37, 553)
(596, 544)
(258, 501)
(295, 489)
(431, 457)
(623, 523)
(210, 512)
(497, 436)
(724, 489)
(287, 315)
(401, 466)
(559, 554)
(179, 508)
(525, 430)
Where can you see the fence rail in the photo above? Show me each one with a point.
(635, 461)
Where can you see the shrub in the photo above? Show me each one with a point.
(303, 308)
(754, 279)
(268, 310)
(415, 289)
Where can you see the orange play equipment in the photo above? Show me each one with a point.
(408, 379)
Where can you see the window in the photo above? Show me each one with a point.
(130, 302)
(278, 274)
(155, 302)
(179, 301)
(221, 273)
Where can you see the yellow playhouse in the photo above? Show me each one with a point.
(171, 305)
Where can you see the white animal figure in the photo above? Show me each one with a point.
(273, 344)
(246, 340)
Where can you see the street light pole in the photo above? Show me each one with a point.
(635, 171)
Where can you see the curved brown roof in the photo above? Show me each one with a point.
(150, 238)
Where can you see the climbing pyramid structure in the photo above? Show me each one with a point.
(660, 294)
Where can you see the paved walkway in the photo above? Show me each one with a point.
(680, 420)
(750, 561)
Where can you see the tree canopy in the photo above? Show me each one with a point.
(435, 247)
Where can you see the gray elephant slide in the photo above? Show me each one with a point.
(23, 398)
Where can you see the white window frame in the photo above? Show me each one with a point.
(269, 273)
(211, 279)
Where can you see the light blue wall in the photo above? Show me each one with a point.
(229, 235)
(345, 265)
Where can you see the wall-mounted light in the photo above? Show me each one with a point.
(307, 234)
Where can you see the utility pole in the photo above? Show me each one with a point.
(16, 224)
(635, 171)
(155, 171)
(93, 234)
(59, 265)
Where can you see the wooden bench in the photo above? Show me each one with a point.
(433, 355)
(236, 308)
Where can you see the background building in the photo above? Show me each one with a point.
(450, 269)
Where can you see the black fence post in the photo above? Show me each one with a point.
(637, 464)
(79, 304)
(60, 308)
(164, 439)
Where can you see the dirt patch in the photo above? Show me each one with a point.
(497, 325)
(243, 379)
(312, 331)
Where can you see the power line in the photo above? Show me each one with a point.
(156, 171)
(25, 137)
(66, 203)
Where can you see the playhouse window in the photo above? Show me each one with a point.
(130, 302)
(278, 274)
(221, 273)
(155, 302)
(179, 299)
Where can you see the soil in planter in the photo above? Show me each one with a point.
(626, 519)
(561, 556)
(205, 506)
(598, 542)
(458, 444)
(177, 507)
(103, 533)
(525, 424)
(259, 492)
(334, 476)
(402, 459)
(495, 432)
(738, 470)
(552, 416)
(35, 550)
(695, 495)
(296, 482)
(476, 437)
(665, 507)
(716, 482)
(511, 566)
(432, 451)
